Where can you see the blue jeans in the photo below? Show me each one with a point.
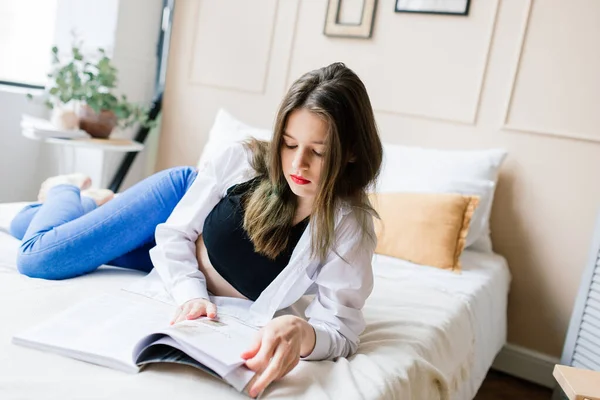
(68, 235)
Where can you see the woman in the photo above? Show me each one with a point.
(238, 227)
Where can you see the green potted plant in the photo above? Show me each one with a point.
(81, 90)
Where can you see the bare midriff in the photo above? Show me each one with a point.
(215, 283)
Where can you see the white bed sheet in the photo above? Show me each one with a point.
(483, 286)
(431, 334)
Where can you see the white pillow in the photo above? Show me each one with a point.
(225, 131)
(475, 172)
(431, 163)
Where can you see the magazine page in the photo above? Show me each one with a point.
(223, 339)
(101, 330)
(214, 345)
(147, 346)
(167, 350)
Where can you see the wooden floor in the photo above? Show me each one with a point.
(498, 386)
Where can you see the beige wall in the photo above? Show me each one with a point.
(523, 75)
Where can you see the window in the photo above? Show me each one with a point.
(27, 32)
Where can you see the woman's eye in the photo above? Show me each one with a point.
(289, 146)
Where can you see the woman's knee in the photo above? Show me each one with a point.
(34, 265)
(184, 173)
(18, 227)
(20, 222)
(183, 177)
(42, 264)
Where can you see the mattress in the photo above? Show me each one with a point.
(430, 334)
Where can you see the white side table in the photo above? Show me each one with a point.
(87, 155)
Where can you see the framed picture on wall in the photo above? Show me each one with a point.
(350, 18)
(451, 7)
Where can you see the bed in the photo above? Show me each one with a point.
(431, 334)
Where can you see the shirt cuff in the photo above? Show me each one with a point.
(322, 345)
(187, 290)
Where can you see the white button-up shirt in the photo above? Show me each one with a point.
(341, 284)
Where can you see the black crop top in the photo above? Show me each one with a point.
(232, 253)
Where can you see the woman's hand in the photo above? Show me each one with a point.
(277, 350)
(193, 309)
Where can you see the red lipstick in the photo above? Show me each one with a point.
(299, 180)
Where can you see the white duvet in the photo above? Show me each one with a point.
(430, 334)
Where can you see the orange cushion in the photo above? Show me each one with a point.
(424, 228)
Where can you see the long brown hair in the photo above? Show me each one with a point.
(351, 162)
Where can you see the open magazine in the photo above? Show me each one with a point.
(127, 332)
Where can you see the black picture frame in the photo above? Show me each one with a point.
(432, 10)
(363, 30)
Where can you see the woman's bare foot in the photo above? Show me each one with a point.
(82, 181)
(100, 196)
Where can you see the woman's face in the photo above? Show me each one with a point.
(302, 153)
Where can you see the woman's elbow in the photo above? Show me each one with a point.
(348, 348)
(341, 346)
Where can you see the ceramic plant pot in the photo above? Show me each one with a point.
(98, 125)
